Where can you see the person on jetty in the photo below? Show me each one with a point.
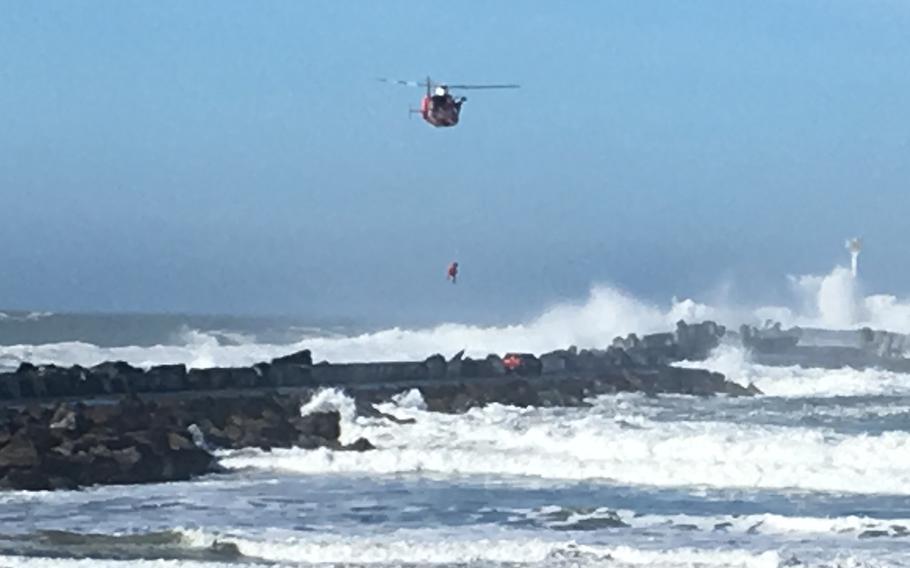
(453, 272)
(511, 363)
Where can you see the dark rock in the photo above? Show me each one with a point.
(360, 445)
(244, 378)
(436, 367)
(203, 379)
(177, 442)
(26, 368)
(9, 387)
(167, 378)
(288, 375)
(20, 451)
(299, 358)
(114, 377)
(494, 366)
(68, 418)
(530, 365)
(60, 381)
(607, 521)
(25, 479)
(325, 425)
(554, 362)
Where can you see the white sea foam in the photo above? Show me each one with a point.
(605, 314)
(33, 562)
(478, 545)
(849, 527)
(796, 381)
(619, 439)
(486, 545)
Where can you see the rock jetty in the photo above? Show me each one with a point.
(64, 427)
(629, 363)
(136, 441)
(823, 348)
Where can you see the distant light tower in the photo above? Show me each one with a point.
(854, 246)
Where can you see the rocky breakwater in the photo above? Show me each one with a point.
(116, 423)
(824, 348)
(138, 441)
(630, 363)
(558, 378)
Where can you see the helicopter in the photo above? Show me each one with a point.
(439, 107)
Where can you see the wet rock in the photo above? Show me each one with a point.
(528, 364)
(325, 425)
(19, 452)
(554, 362)
(360, 445)
(299, 358)
(288, 375)
(138, 441)
(494, 366)
(584, 519)
(9, 386)
(68, 418)
(166, 378)
(118, 373)
(436, 367)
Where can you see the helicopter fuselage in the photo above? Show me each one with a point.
(441, 110)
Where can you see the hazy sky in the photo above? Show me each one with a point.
(240, 156)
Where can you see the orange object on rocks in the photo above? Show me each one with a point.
(512, 362)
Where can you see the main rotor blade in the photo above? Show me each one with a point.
(405, 83)
(484, 86)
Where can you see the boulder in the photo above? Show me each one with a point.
(166, 378)
(114, 376)
(299, 358)
(325, 425)
(359, 445)
(19, 451)
(287, 375)
(436, 367)
(528, 365)
(554, 362)
(9, 387)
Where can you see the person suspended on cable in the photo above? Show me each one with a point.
(453, 272)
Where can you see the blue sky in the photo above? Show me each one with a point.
(239, 156)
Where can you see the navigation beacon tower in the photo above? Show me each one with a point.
(854, 246)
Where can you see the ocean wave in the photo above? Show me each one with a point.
(618, 440)
(487, 545)
(476, 546)
(795, 381)
(605, 314)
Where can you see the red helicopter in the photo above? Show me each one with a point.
(438, 107)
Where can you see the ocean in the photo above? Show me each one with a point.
(814, 472)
